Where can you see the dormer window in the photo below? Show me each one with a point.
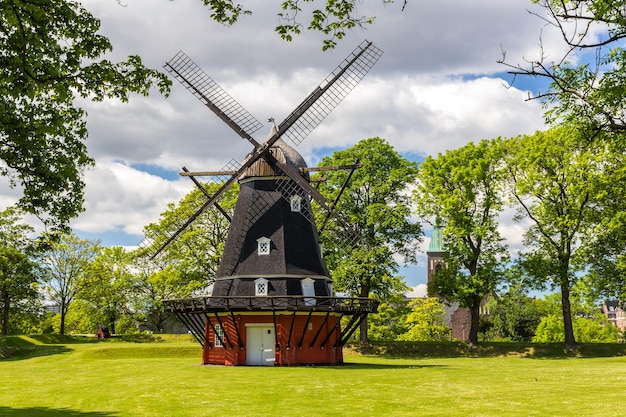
(260, 287)
(264, 246)
(296, 203)
(308, 291)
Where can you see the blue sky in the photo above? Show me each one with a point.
(437, 86)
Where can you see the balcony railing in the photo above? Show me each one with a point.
(345, 305)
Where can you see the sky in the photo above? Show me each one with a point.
(437, 87)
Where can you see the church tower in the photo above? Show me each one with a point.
(457, 317)
(435, 253)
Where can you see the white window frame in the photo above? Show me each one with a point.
(261, 287)
(219, 330)
(296, 203)
(308, 291)
(264, 246)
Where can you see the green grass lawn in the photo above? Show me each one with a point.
(79, 377)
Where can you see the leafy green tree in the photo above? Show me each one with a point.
(514, 316)
(605, 253)
(390, 320)
(587, 91)
(51, 54)
(377, 205)
(187, 264)
(586, 330)
(13, 232)
(196, 252)
(557, 180)
(463, 190)
(426, 321)
(18, 273)
(331, 18)
(107, 285)
(155, 284)
(64, 266)
(17, 279)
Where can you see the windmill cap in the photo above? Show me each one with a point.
(282, 152)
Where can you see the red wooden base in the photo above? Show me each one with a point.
(283, 338)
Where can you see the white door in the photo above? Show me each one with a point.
(260, 345)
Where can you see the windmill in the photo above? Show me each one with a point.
(272, 299)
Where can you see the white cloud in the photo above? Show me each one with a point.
(437, 87)
(418, 291)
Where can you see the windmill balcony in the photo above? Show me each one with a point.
(209, 304)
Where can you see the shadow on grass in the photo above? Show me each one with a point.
(13, 348)
(137, 338)
(370, 366)
(50, 412)
(34, 352)
(486, 350)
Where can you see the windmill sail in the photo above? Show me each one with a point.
(213, 96)
(296, 127)
(335, 87)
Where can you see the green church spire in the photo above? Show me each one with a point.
(436, 240)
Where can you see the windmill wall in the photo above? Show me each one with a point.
(298, 339)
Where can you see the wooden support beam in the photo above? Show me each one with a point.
(306, 325)
(293, 320)
(330, 332)
(232, 316)
(319, 330)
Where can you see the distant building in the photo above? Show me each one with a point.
(614, 314)
(457, 318)
(52, 308)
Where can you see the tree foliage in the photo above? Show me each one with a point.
(332, 18)
(18, 273)
(588, 81)
(557, 179)
(197, 250)
(107, 286)
(462, 190)
(51, 54)
(65, 265)
(376, 203)
(17, 279)
(426, 321)
(514, 316)
(389, 321)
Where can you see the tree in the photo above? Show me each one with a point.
(514, 316)
(426, 321)
(332, 19)
(590, 326)
(17, 276)
(107, 285)
(557, 180)
(606, 251)
(389, 321)
(65, 265)
(17, 271)
(13, 231)
(376, 203)
(462, 190)
(197, 250)
(50, 55)
(589, 94)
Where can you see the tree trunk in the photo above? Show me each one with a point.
(568, 328)
(5, 314)
(363, 337)
(63, 314)
(365, 292)
(474, 323)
